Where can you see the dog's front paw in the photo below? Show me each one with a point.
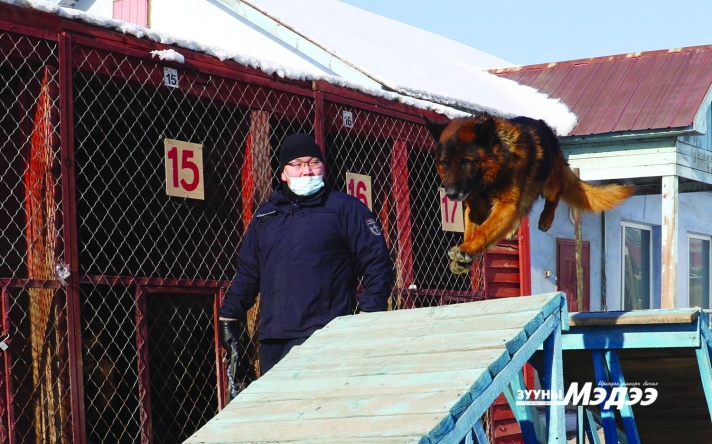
(460, 267)
(461, 262)
(456, 254)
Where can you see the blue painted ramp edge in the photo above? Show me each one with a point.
(557, 303)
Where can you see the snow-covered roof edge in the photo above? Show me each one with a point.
(264, 65)
(563, 124)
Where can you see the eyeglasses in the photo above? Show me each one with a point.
(314, 164)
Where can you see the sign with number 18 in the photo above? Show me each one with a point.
(184, 169)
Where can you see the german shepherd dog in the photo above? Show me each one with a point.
(499, 167)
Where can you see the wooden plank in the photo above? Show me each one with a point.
(591, 430)
(262, 409)
(483, 400)
(693, 174)
(305, 388)
(527, 415)
(503, 276)
(626, 412)
(553, 381)
(657, 316)
(626, 149)
(705, 367)
(509, 262)
(479, 432)
(503, 291)
(670, 218)
(603, 379)
(632, 336)
(615, 172)
(494, 359)
(360, 346)
(370, 386)
(411, 349)
(427, 327)
(630, 159)
(547, 303)
(227, 430)
(694, 163)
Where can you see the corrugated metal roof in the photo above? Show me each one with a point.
(628, 92)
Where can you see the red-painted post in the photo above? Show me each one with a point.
(71, 250)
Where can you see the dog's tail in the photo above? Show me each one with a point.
(594, 198)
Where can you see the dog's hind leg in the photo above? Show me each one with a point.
(547, 215)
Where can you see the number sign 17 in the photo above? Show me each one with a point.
(184, 169)
(451, 214)
(359, 186)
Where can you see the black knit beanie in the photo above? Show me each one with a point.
(296, 146)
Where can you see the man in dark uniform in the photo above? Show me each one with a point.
(303, 252)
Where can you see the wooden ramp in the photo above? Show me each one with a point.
(668, 350)
(409, 376)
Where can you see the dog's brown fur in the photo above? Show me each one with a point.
(499, 167)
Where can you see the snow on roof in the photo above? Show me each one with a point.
(414, 62)
(425, 70)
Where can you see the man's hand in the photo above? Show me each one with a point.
(229, 331)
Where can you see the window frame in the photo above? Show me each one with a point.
(707, 238)
(639, 226)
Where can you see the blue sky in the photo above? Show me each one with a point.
(537, 31)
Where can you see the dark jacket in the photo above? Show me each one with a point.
(304, 258)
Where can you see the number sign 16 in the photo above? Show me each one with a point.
(184, 169)
(359, 186)
(451, 214)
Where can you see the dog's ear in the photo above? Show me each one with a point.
(485, 132)
(435, 128)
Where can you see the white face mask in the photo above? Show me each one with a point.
(305, 185)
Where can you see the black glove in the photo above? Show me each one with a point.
(229, 332)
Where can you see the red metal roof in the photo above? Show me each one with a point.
(627, 92)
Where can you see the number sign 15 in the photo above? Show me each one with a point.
(170, 77)
(184, 169)
(451, 213)
(359, 186)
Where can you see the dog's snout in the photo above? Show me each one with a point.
(455, 194)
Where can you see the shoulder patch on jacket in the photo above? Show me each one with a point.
(266, 214)
(373, 226)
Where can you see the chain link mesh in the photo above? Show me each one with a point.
(131, 233)
(152, 267)
(398, 157)
(31, 243)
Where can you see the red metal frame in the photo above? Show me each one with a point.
(319, 125)
(144, 377)
(142, 348)
(197, 62)
(525, 262)
(222, 377)
(128, 281)
(378, 105)
(8, 414)
(71, 249)
(30, 21)
(399, 185)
